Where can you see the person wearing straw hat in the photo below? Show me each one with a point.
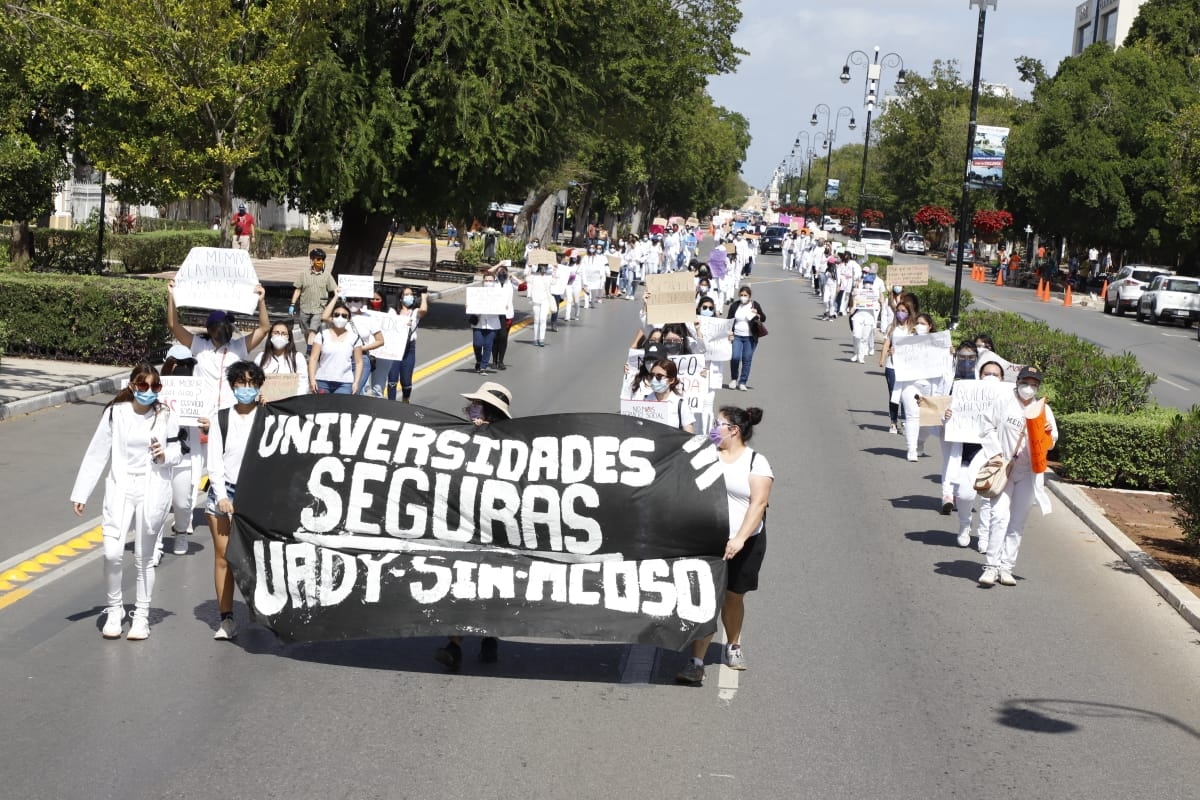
(489, 403)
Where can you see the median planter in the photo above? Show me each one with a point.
(1121, 451)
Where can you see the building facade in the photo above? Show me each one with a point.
(1103, 21)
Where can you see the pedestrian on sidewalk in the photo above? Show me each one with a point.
(138, 439)
(313, 290)
(243, 229)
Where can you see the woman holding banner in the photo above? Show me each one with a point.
(864, 305)
(909, 392)
(748, 480)
(665, 388)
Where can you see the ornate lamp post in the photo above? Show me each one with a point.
(830, 137)
(875, 68)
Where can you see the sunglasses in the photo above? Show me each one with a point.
(659, 375)
(143, 386)
(341, 316)
(708, 308)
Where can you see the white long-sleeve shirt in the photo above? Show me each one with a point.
(225, 455)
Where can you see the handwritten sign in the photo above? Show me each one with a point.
(907, 274)
(487, 300)
(185, 396)
(924, 356)
(397, 329)
(540, 256)
(1011, 370)
(279, 385)
(217, 278)
(866, 299)
(672, 298)
(661, 411)
(692, 379)
(969, 405)
(362, 286)
(715, 333)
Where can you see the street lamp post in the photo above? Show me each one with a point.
(964, 207)
(798, 150)
(830, 137)
(871, 86)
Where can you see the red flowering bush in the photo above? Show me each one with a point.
(933, 216)
(872, 217)
(989, 223)
(814, 211)
(841, 211)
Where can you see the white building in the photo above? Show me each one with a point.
(1110, 22)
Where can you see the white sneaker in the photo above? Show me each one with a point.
(139, 630)
(982, 544)
(181, 545)
(156, 559)
(733, 384)
(112, 624)
(742, 387)
(226, 630)
(1007, 579)
(989, 576)
(912, 455)
(734, 658)
(964, 538)
(892, 429)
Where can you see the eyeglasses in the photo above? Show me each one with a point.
(659, 375)
(725, 425)
(708, 308)
(143, 386)
(341, 316)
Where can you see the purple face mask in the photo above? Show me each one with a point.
(902, 315)
(714, 435)
(475, 411)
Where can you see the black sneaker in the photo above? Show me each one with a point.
(450, 656)
(489, 650)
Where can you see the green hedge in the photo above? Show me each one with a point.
(161, 250)
(84, 318)
(286, 244)
(937, 300)
(151, 224)
(63, 250)
(1126, 451)
(4, 333)
(1183, 454)
(1079, 376)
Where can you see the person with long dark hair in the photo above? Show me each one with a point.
(279, 357)
(138, 439)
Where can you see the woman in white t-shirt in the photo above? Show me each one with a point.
(279, 357)
(335, 361)
(664, 385)
(367, 331)
(748, 480)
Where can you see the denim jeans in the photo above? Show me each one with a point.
(335, 387)
(401, 372)
(483, 340)
(743, 356)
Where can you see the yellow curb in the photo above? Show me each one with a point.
(30, 566)
(47, 559)
(9, 598)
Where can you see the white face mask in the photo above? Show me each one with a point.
(991, 377)
(279, 342)
(340, 322)
(745, 300)
(921, 328)
(1026, 392)
(354, 307)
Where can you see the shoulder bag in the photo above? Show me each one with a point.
(993, 475)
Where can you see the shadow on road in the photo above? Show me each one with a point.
(1046, 715)
(967, 570)
(935, 538)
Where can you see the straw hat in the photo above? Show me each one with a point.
(494, 394)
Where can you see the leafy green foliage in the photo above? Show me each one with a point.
(67, 251)
(1117, 450)
(161, 250)
(1183, 454)
(1079, 376)
(937, 300)
(84, 318)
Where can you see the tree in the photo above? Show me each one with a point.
(1171, 26)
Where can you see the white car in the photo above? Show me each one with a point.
(1169, 298)
(832, 224)
(912, 242)
(1125, 289)
(878, 242)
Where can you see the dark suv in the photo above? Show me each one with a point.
(772, 240)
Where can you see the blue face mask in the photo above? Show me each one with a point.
(146, 398)
(706, 312)
(245, 394)
(408, 300)
(659, 385)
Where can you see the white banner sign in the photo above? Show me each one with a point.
(184, 395)
(925, 356)
(487, 300)
(361, 286)
(396, 331)
(970, 403)
(1011, 370)
(693, 378)
(217, 278)
(715, 333)
(661, 411)
(866, 299)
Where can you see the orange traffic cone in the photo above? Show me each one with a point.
(1104, 289)
(1041, 292)
(1067, 296)
(999, 277)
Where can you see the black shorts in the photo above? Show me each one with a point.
(743, 568)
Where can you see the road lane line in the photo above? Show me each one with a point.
(47, 562)
(8, 598)
(1173, 383)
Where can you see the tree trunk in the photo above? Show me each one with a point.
(22, 244)
(432, 249)
(226, 206)
(363, 236)
(547, 215)
(584, 215)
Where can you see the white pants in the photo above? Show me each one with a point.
(1010, 511)
(863, 323)
(144, 539)
(830, 298)
(569, 303)
(541, 315)
(914, 434)
(185, 480)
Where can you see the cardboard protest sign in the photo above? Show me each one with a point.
(540, 256)
(356, 286)
(185, 396)
(362, 519)
(672, 298)
(397, 330)
(217, 278)
(487, 300)
(907, 275)
(279, 386)
(715, 333)
(933, 409)
(970, 403)
(691, 380)
(660, 222)
(614, 263)
(924, 356)
(866, 299)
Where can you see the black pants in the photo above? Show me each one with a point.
(500, 348)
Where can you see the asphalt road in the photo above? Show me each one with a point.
(1169, 351)
(877, 667)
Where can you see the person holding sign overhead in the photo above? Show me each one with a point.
(367, 334)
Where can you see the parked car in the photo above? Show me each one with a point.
(772, 240)
(1126, 288)
(912, 242)
(831, 224)
(878, 242)
(1170, 298)
(968, 254)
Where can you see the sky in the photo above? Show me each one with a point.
(797, 49)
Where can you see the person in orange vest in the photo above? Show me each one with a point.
(1022, 429)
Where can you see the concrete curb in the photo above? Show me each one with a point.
(83, 391)
(1178, 596)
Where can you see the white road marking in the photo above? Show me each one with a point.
(1173, 383)
(727, 683)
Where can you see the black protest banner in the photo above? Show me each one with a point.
(358, 518)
